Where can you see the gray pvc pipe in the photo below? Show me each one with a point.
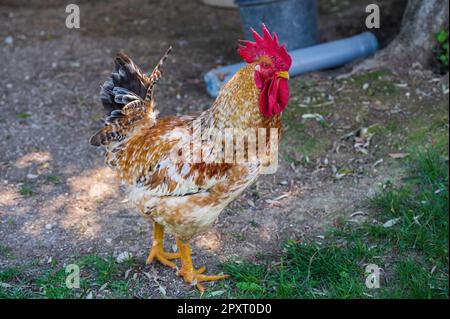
(318, 57)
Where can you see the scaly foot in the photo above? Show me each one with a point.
(190, 274)
(158, 253)
(195, 277)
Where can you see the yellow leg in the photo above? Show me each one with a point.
(157, 251)
(187, 270)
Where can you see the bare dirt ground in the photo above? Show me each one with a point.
(57, 198)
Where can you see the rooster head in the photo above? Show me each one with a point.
(272, 63)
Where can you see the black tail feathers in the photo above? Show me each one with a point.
(126, 81)
(127, 97)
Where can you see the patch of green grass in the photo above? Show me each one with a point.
(306, 270)
(23, 115)
(102, 276)
(443, 50)
(103, 269)
(307, 96)
(12, 291)
(26, 190)
(436, 132)
(420, 237)
(420, 130)
(415, 280)
(412, 252)
(299, 144)
(374, 83)
(52, 284)
(370, 76)
(54, 179)
(9, 273)
(312, 146)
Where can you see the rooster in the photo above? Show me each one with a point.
(185, 197)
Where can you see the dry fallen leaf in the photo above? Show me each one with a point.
(391, 222)
(398, 155)
(343, 172)
(272, 202)
(122, 257)
(357, 213)
(103, 287)
(251, 203)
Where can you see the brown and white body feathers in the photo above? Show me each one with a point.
(184, 196)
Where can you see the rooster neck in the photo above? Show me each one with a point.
(237, 105)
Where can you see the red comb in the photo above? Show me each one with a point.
(266, 45)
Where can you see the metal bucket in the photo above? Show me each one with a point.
(294, 21)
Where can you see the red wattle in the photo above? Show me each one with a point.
(283, 93)
(274, 97)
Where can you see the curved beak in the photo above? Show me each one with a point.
(283, 75)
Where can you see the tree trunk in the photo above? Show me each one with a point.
(421, 21)
(416, 41)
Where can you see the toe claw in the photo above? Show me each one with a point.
(171, 255)
(201, 270)
(211, 277)
(195, 277)
(200, 288)
(190, 274)
(163, 257)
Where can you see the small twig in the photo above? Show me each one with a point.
(309, 266)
